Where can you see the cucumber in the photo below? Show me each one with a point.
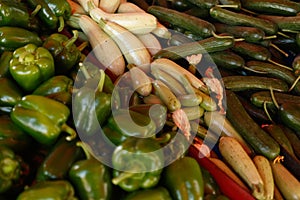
(250, 34)
(239, 19)
(208, 45)
(188, 22)
(204, 3)
(228, 60)
(258, 98)
(273, 7)
(244, 83)
(251, 50)
(198, 12)
(274, 71)
(291, 23)
(289, 114)
(254, 135)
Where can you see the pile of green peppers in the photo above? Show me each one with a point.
(41, 153)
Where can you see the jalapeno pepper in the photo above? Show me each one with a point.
(42, 118)
(137, 163)
(91, 178)
(183, 178)
(31, 65)
(10, 168)
(50, 190)
(64, 51)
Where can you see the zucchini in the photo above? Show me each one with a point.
(208, 45)
(257, 138)
(234, 18)
(273, 7)
(194, 24)
(243, 83)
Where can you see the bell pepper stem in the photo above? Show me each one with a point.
(72, 133)
(8, 168)
(164, 138)
(84, 71)
(85, 149)
(36, 10)
(61, 23)
(123, 176)
(82, 45)
(101, 81)
(71, 41)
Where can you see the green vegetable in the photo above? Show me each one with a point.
(12, 38)
(227, 60)
(59, 160)
(10, 168)
(4, 63)
(31, 65)
(64, 51)
(91, 178)
(10, 93)
(137, 163)
(183, 178)
(290, 23)
(50, 190)
(42, 118)
(157, 193)
(289, 114)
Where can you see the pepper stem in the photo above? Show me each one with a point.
(101, 81)
(71, 41)
(123, 176)
(72, 133)
(36, 10)
(82, 45)
(165, 138)
(84, 71)
(61, 23)
(86, 149)
(295, 83)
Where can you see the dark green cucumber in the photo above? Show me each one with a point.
(258, 98)
(188, 22)
(250, 34)
(273, 7)
(227, 59)
(236, 4)
(204, 3)
(180, 5)
(243, 83)
(239, 19)
(198, 12)
(251, 50)
(208, 45)
(289, 114)
(291, 23)
(254, 135)
(294, 140)
(274, 71)
(278, 134)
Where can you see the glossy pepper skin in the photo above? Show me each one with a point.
(59, 160)
(157, 193)
(15, 13)
(12, 37)
(31, 65)
(91, 105)
(42, 118)
(10, 168)
(65, 53)
(137, 163)
(188, 184)
(10, 93)
(4, 63)
(13, 136)
(57, 87)
(50, 190)
(91, 178)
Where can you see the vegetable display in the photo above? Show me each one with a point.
(139, 99)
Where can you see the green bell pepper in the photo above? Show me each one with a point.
(57, 87)
(112, 135)
(65, 53)
(15, 13)
(4, 63)
(91, 106)
(12, 38)
(10, 168)
(50, 190)
(10, 93)
(158, 193)
(137, 163)
(183, 178)
(91, 178)
(42, 118)
(59, 160)
(31, 65)
(13, 136)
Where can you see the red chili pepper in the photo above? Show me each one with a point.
(227, 186)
